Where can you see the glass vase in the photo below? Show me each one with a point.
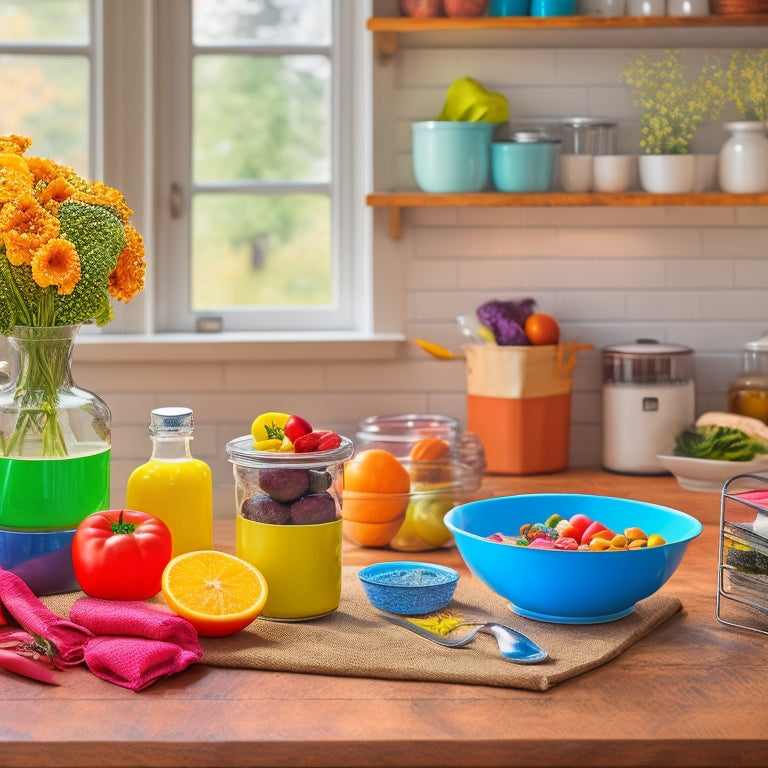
(54, 437)
(743, 163)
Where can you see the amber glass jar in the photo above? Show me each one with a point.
(748, 392)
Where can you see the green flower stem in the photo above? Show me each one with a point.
(45, 354)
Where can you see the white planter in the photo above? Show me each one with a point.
(743, 163)
(667, 174)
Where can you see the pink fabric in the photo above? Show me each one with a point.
(68, 638)
(137, 642)
(129, 643)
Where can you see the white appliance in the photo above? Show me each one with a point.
(649, 397)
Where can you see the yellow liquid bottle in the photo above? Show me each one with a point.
(173, 485)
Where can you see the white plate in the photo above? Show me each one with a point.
(707, 474)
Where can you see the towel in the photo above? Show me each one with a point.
(129, 643)
(136, 643)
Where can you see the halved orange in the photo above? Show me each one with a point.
(219, 594)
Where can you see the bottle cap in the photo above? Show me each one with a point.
(173, 419)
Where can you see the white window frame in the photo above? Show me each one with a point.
(139, 161)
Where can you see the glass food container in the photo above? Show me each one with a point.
(289, 525)
(748, 393)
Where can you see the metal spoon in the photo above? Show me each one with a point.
(513, 645)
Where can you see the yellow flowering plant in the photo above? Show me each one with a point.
(747, 84)
(66, 248)
(673, 107)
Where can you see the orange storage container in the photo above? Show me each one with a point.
(519, 405)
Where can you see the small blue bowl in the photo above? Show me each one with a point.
(43, 559)
(524, 166)
(570, 587)
(452, 156)
(408, 588)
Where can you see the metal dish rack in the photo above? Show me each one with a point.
(742, 594)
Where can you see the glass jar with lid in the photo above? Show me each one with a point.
(748, 392)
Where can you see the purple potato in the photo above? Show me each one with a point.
(319, 480)
(262, 509)
(314, 508)
(284, 484)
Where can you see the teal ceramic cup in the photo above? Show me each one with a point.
(508, 8)
(524, 165)
(452, 156)
(553, 7)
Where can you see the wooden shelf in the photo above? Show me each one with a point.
(406, 24)
(387, 28)
(396, 201)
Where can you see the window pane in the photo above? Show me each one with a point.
(35, 21)
(261, 118)
(270, 22)
(49, 103)
(260, 250)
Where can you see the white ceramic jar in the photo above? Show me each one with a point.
(743, 162)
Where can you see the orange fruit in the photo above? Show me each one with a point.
(372, 534)
(219, 594)
(430, 449)
(373, 507)
(541, 328)
(376, 471)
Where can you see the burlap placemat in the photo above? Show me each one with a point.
(356, 641)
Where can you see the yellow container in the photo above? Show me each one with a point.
(301, 563)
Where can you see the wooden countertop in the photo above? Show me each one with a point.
(693, 693)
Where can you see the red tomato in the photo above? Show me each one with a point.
(295, 427)
(120, 554)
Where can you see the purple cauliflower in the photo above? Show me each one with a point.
(506, 319)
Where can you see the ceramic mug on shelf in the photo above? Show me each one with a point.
(612, 173)
(646, 8)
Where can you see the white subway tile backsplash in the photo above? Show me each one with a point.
(698, 273)
(662, 305)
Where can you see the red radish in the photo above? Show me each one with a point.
(23, 665)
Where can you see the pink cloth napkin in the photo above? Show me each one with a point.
(68, 639)
(136, 643)
(129, 643)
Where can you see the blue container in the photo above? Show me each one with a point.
(553, 7)
(570, 587)
(452, 156)
(508, 8)
(525, 164)
(43, 559)
(409, 588)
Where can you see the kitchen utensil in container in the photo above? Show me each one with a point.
(648, 398)
(526, 163)
(748, 392)
(519, 405)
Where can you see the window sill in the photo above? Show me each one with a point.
(227, 347)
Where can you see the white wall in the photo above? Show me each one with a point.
(694, 276)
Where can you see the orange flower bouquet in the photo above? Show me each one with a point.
(66, 247)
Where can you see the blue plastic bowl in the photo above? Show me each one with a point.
(43, 559)
(452, 156)
(570, 587)
(408, 588)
